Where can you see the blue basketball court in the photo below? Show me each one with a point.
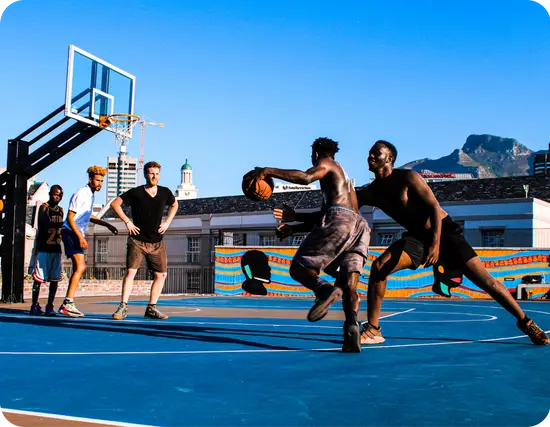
(443, 363)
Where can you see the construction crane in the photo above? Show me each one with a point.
(144, 123)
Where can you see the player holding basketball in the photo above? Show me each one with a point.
(146, 230)
(431, 236)
(337, 244)
(47, 265)
(73, 233)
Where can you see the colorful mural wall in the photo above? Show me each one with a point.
(265, 271)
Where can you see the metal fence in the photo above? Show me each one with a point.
(180, 280)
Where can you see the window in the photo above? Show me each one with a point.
(227, 238)
(297, 240)
(267, 240)
(193, 281)
(386, 239)
(493, 238)
(239, 239)
(102, 250)
(193, 249)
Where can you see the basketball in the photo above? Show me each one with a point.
(257, 189)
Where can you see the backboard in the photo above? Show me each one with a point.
(96, 88)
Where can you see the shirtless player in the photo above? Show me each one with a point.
(338, 244)
(431, 236)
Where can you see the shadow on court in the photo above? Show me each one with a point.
(211, 334)
(206, 333)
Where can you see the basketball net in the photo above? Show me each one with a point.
(121, 125)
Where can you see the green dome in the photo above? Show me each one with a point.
(186, 166)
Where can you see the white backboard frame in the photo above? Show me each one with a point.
(69, 88)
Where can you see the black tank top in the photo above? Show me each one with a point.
(48, 238)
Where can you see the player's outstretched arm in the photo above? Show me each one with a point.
(313, 174)
(365, 196)
(285, 230)
(95, 220)
(288, 214)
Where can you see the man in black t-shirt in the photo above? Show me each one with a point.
(147, 203)
(47, 264)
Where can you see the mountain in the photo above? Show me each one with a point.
(484, 156)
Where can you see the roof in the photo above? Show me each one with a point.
(186, 166)
(492, 188)
(446, 191)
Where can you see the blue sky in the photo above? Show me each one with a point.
(240, 84)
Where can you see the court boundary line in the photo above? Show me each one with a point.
(70, 418)
(144, 321)
(273, 325)
(245, 351)
(183, 352)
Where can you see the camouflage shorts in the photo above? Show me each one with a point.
(342, 240)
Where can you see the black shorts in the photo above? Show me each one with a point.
(454, 250)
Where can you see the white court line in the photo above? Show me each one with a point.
(149, 322)
(303, 350)
(69, 418)
(465, 303)
(489, 318)
(397, 313)
(392, 314)
(271, 350)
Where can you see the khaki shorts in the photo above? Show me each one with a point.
(342, 240)
(155, 255)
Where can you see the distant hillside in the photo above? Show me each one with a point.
(484, 156)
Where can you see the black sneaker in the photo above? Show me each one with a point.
(153, 313)
(326, 296)
(121, 312)
(352, 337)
(36, 310)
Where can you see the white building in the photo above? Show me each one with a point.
(121, 174)
(186, 190)
(510, 223)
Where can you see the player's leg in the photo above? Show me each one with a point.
(351, 266)
(321, 247)
(407, 252)
(35, 309)
(455, 249)
(349, 273)
(55, 272)
(474, 270)
(38, 275)
(68, 308)
(127, 286)
(50, 311)
(326, 294)
(76, 254)
(134, 256)
(158, 263)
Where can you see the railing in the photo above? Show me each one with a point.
(179, 280)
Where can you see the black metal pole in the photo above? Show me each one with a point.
(13, 243)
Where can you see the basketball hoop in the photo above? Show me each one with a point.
(120, 124)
